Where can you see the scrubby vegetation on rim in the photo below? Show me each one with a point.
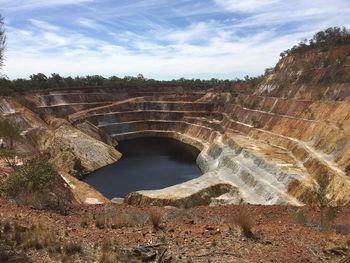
(40, 81)
(324, 40)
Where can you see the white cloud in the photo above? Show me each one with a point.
(43, 25)
(55, 39)
(221, 57)
(198, 31)
(246, 5)
(133, 38)
(88, 23)
(15, 5)
(278, 12)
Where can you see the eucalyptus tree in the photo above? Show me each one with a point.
(2, 41)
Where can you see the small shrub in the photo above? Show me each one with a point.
(84, 223)
(38, 184)
(245, 222)
(100, 222)
(72, 248)
(6, 226)
(121, 220)
(107, 257)
(34, 176)
(155, 216)
(111, 253)
(107, 253)
(39, 237)
(114, 220)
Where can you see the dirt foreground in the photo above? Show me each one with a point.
(122, 233)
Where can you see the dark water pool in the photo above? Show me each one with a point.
(147, 164)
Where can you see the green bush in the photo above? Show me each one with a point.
(37, 183)
(36, 175)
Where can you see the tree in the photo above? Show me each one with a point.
(56, 81)
(95, 80)
(39, 80)
(140, 77)
(10, 134)
(2, 41)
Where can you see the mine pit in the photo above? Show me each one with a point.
(247, 148)
(147, 163)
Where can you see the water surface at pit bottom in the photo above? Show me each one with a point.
(147, 164)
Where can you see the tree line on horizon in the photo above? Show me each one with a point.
(41, 81)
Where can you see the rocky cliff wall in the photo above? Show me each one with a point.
(291, 137)
(312, 75)
(72, 151)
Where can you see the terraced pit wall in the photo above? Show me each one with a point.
(267, 147)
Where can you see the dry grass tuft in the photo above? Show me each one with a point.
(114, 220)
(107, 255)
(155, 216)
(100, 221)
(111, 253)
(38, 237)
(121, 220)
(244, 220)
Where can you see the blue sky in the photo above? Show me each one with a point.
(162, 39)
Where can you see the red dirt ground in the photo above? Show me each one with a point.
(200, 234)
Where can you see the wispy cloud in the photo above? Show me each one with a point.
(44, 25)
(247, 5)
(34, 4)
(163, 38)
(88, 23)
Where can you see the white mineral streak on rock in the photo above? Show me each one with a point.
(252, 180)
(92, 201)
(5, 107)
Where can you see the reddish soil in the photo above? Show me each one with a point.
(200, 234)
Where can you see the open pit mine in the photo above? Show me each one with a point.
(270, 143)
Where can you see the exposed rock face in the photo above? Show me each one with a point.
(312, 75)
(71, 147)
(72, 151)
(268, 147)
